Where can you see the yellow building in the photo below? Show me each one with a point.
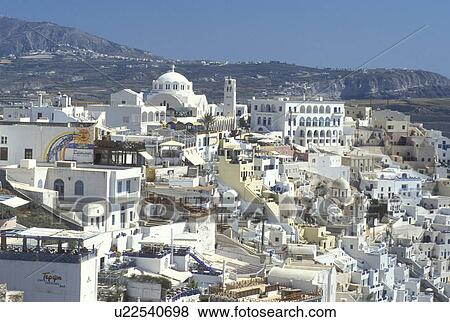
(319, 236)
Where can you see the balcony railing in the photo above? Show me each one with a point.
(47, 255)
(147, 254)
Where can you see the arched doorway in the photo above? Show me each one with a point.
(58, 185)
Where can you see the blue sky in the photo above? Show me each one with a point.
(311, 33)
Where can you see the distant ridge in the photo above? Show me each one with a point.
(136, 68)
(19, 37)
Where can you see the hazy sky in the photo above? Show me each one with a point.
(311, 33)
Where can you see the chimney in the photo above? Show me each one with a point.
(40, 100)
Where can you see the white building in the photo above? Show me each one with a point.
(46, 269)
(128, 111)
(176, 92)
(313, 278)
(267, 169)
(393, 181)
(60, 110)
(97, 198)
(301, 122)
(326, 165)
(440, 143)
(46, 142)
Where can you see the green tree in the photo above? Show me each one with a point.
(207, 120)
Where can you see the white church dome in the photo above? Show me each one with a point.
(172, 82)
(172, 77)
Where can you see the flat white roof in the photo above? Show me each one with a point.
(12, 201)
(172, 143)
(146, 155)
(52, 233)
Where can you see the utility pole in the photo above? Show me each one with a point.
(263, 219)
(290, 127)
(262, 236)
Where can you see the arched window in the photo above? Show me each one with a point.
(302, 121)
(259, 120)
(327, 109)
(58, 185)
(144, 117)
(316, 134)
(308, 109)
(315, 109)
(321, 109)
(40, 183)
(302, 109)
(315, 121)
(321, 123)
(327, 121)
(308, 121)
(79, 188)
(309, 134)
(150, 116)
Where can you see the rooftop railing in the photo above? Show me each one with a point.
(48, 254)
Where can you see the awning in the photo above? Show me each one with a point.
(176, 275)
(52, 233)
(12, 201)
(194, 158)
(146, 155)
(172, 143)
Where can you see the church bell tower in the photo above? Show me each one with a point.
(229, 97)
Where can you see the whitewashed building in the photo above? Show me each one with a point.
(97, 198)
(301, 122)
(129, 112)
(174, 91)
(393, 182)
(46, 269)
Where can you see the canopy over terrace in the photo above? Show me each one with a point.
(44, 252)
(56, 234)
(193, 157)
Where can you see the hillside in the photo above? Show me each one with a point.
(46, 56)
(19, 37)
